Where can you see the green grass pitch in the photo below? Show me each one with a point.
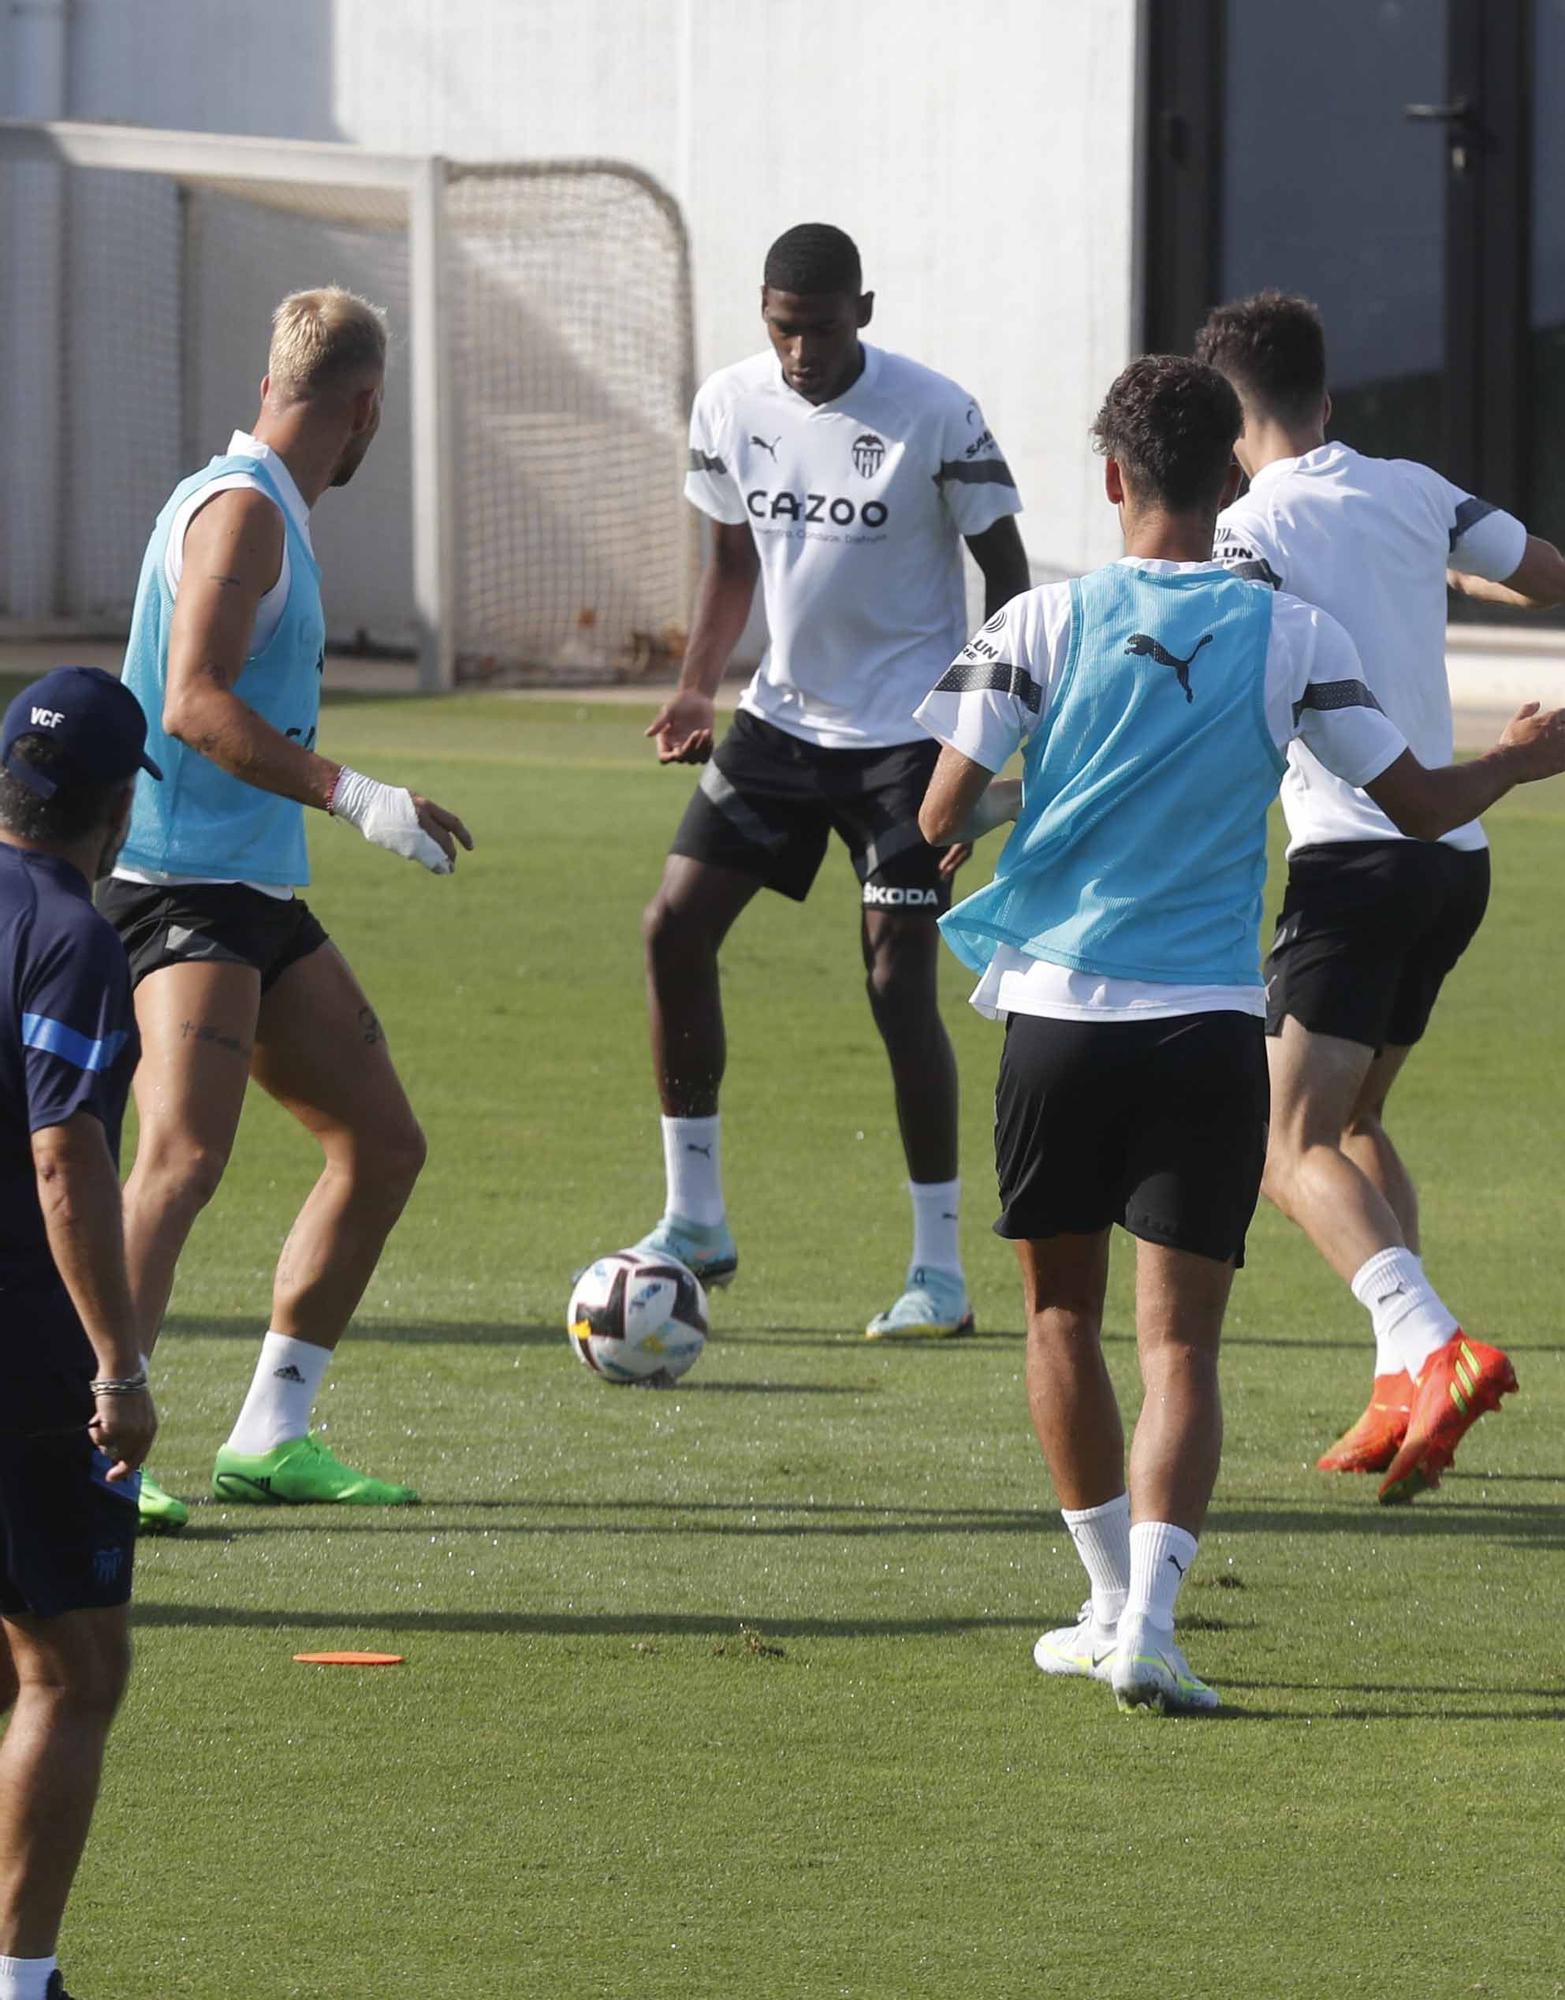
(730, 1690)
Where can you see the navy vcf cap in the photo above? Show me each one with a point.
(96, 721)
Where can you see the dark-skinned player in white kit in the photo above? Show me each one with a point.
(847, 478)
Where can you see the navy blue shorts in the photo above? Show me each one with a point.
(67, 1537)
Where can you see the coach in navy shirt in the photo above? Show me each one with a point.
(76, 1419)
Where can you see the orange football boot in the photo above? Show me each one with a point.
(1456, 1386)
(1372, 1443)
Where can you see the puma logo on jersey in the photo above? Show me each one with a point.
(1143, 644)
(770, 449)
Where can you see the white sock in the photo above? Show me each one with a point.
(283, 1390)
(1410, 1318)
(1102, 1538)
(692, 1163)
(1160, 1554)
(26, 1978)
(936, 1205)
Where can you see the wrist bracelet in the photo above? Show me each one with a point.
(126, 1385)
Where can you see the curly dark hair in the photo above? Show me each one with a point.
(1170, 424)
(812, 258)
(77, 807)
(1272, 347)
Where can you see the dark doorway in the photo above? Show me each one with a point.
(1380, 156)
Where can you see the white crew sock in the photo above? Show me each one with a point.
(287, 1381)
(1160, 1554)
(1410, 1318)
(692, 1162)
(26, 1978)
(936, 1206)
(1102, 1538)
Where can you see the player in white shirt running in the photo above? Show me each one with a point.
(847, 479)
(1152, 702)
(1372, 921)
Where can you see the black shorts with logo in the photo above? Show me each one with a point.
(224, 922)
(768, 804)
(1158, 1125)
(1368, 932)
(67, 1537)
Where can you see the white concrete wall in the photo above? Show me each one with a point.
(983, 158)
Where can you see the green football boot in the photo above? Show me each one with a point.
(300, 1473)
(159, 1513)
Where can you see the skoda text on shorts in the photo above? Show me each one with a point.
(846, 478)
(234, 976)
(1118, 942)
(1371, 921)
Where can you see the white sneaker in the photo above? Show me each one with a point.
(1083, 1648)
(1149, 1671)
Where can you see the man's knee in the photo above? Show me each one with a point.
(674, 933)
(180, 1172)
(900, 977)
(84, 1679)
(390, 1159)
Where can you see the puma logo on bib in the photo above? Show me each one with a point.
(1143, 644)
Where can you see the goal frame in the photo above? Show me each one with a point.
(421, 179)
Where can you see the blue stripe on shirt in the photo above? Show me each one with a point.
(54, 1038)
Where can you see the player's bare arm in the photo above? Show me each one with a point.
(1426, 804)
(1536, 584)
(952, 805)
(682, 727)
(79, 1193)
(1002, 561)
(233, 557)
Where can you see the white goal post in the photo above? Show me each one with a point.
(522, 511)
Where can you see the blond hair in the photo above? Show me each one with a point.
(322, 341)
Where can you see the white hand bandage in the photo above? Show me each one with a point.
(387, 817)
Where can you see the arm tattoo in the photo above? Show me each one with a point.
(227, 582)
(369, 1026)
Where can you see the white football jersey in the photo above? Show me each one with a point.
(1370, 540)
(858, 508)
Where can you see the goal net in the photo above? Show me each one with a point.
(521, 511)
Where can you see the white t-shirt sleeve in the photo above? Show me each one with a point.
(710, 483)
(975, 482)
(1483, 539)
(1316, 691)
(992, 697)
(1245, 544)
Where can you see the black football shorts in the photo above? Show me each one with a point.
(768, 804)
(67, 1537)
(1159, 1126)
(178, 923)
(1368, 932)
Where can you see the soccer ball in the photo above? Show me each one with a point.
(637, 1319)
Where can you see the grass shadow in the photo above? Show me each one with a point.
(563, 1624)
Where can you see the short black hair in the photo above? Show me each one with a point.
(1272, 347)
(1170, 423)
(811, 258)
(77, 806)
